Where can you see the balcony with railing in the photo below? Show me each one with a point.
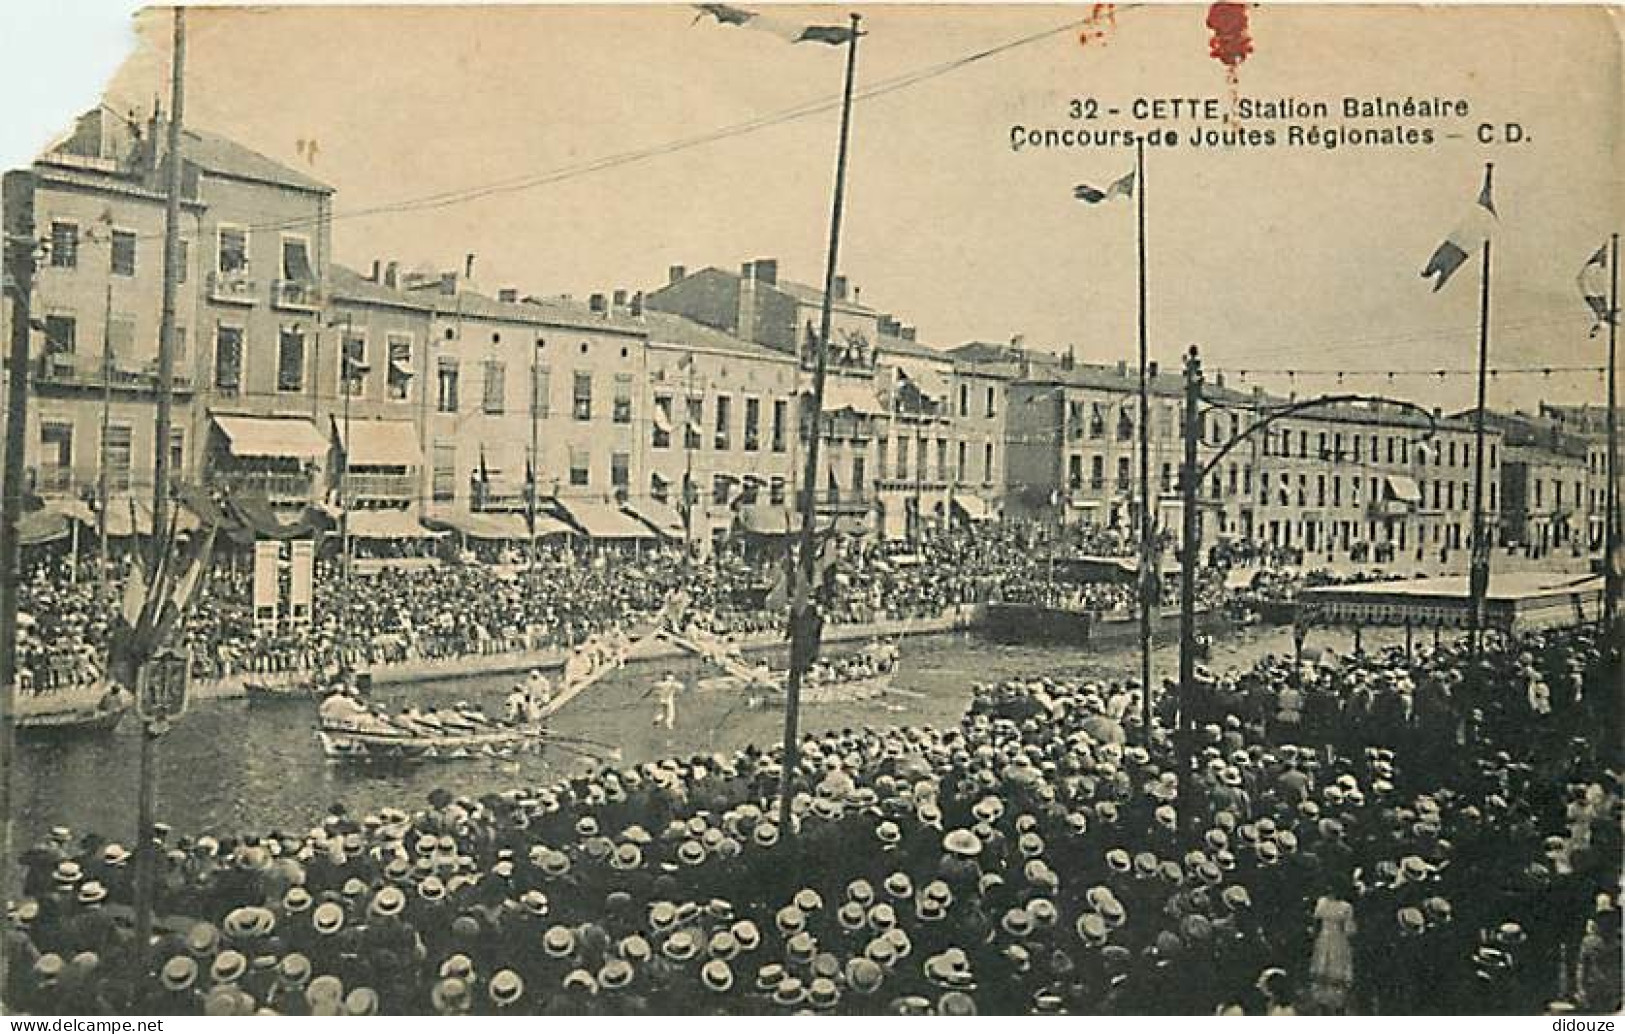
(233, 288)
(68, 370)
(279, 488)
(839, 500)
(363, 486)
(51, 480)
(912, 484)
(301, 295)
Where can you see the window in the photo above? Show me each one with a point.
(1357, 439)
(1216, 486)
(1303, 489)
(296, 259)
(1450, 495)
(177, 451)
(659, 488)
(353, 362)
(1074, 472)
(118, 453)
(964, 400)
(1234, 483)
(1263, 484)
(961, 472)
(1125, 425)
(123, 254)
(541, 392)
(1322, 454)
(722, 437)
(494, 390)
(695, 421)
(620, 474)
(64, 244)
(721, 488)
(446, 384)
(1097, 472)
(581, 405)
(401, 370)
(228, 359)
(233, 250)
(1337, 447)
(55, 454)
(290, 359)
(780, 408)
(1320, 490)
(444, 488)
(622, 411)
(990, 405)
(580, 471)
(661, 435)
(860, 476)
(1097, 422)
(883, 455)
(1492, 457)
(920, 459)
(1452, 452)
(902, 458)
(1337, 490)
(1123, 474)
(1247, 479)
(987, 463)
(61, 334)
(753, 424)
(942, 459)
(775, 490)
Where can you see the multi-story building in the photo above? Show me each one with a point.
(1590, 423)
(252, 261)
(1341, 479)
(1544, 499)
(719, 451)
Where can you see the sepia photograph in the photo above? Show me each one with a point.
(707, 510)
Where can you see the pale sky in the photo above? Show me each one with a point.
(1270, 258)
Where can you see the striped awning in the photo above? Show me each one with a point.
(386, 524)
(256, 436)
(604, 521)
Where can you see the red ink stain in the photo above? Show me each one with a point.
(1230, 44)
(1101, 23)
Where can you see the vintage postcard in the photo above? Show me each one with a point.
(724, 510)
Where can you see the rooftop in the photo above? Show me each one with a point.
(667, 329)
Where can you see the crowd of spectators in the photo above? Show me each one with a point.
(1432, 837)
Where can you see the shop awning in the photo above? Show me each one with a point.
(379, 443)
(386, 524)
(766, 519)
(72, 509)
(257, 436)
(661, 518)
(501, 527)
(928, 383)
(856, 396)
(1404, 488)
(973, 508)
(41, 527)
(604, 520)
(127, 516)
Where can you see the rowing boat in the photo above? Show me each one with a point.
(90, 708)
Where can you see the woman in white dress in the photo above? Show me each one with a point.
(1331, 966)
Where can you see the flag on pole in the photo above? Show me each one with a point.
(135, 594)
(1593, 281)
(1122, 187)
(791, 30)
(1468, 236)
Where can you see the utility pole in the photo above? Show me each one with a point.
(1611, 573)
(803, 613)
(1190, 551)
(18, 204)
(1478, 576)
(146, 850)
(101, 460)
(1149, 582)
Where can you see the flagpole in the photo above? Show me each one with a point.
(802, 612)
(1148, 578)
(1478, 578)
(1610, 596)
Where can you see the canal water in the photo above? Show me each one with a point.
(228, 768)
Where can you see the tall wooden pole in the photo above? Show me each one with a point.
(101, 460)
(1150, 584)
(146, 850)
(1189, 553)
(18, 205)
(1478, 579)
(1611, 574)
(803, 613)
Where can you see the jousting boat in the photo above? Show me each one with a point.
(91, 708)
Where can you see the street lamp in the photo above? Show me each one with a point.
(1191, 477)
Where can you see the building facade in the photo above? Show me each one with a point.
(1544, 491)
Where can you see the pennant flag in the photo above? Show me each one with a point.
(1123, 187)
(1465, 239)
(788, 29)
(184, 593)
(1593, 281)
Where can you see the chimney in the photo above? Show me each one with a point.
(767, 270)
(376, 267)
(745, 315)
(620, 298)
(448, 283)
(1018, 343)
(1151, 371)
(637, 305)
(907, 333)
(840, 288)
(596, 303)
(675, 273)
(1069, 359)
(392, 274)
(508, 294)
(1220, 379)
(468, 266)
